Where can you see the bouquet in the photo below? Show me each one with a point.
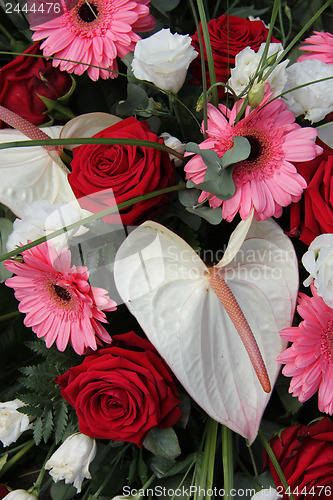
(166, 250)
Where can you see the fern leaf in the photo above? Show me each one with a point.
(61, 419)
(38, 430)
(47, 419)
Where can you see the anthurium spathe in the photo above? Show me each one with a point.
(176, 299)
(34, 173)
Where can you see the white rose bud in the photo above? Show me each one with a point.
(318, 261)
(174, 143)
(267, 494)
(163, 59)
(19, 495)
(71, 460)
(12, 422)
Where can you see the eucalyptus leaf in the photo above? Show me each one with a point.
(211, 215)
(239, 152)
(189, 197)
(6, 228)
(136, 98)
(62, 490)
(164, 5)
(163, 443)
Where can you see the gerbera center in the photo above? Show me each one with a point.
(62, 293)
(256, 148)
(327, 342)
(88, 12)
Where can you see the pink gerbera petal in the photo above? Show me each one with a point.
(266, 180)
(319, 46)
(309, 360)
(83, 30)
(59, 303)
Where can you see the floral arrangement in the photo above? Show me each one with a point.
(166, 221)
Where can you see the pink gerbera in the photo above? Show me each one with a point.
(59, 303)
(93, 32)
(267, 180)
(309, 361)
(320, 46)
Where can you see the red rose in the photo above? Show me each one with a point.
(305, 454)
(228, 36)
(129, 171)
(313, 215)
(25, 77)
(123, 391)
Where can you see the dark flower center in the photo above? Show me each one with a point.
(88, 12)
(256, 149)
(62, 293)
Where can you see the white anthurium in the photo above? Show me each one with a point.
(176, 299)
(35, 173)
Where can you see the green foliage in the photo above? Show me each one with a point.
(163, 443)
(43, 399)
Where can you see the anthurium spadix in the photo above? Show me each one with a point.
(35, 173)
(176, 299)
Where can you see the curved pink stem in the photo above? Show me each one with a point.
(236, 315)
(25, 127)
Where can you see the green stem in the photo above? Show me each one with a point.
(255, 470)
(87, 140)
(297, 37)
(7, 34)
(205, 480)
(203, 69)
(227, 460)
(209, 53)
(92, 218)
(17, 457)
(11, 315)
(276, 464)
(38, 482)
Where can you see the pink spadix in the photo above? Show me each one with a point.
(229, 302)
(25, 127)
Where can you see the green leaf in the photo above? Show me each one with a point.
(6, 228)
(61, 419)
(163, 443)
(189, 197)
(62, 491)
(164, 5)
(163, 467)
(136, 98)
(3, 460)
(38, 430)
(211, 215)
(47, 425)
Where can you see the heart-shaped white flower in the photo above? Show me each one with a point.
(170, 291)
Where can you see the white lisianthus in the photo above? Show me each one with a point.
(40, 218)
(267, 494)
(318, 261)
(12, 422)
(174, 143)
(315, 101)
(71, 460)
(163, 59)
(19, 495)
(246, 64)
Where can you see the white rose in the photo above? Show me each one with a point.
(246, 64)
(163, 59)
(12, 422)
(267, 494)
(71, 460)
(174, 143)
(315, 101)
(19, 495)
(318, 261)
(40, 218)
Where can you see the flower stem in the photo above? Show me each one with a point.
(255, 470)
(87, 140)
(205, 479)
(17, 457)
(10, 315)
(208, 47)
(276, 464)
(92, 218)
(227, 460)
